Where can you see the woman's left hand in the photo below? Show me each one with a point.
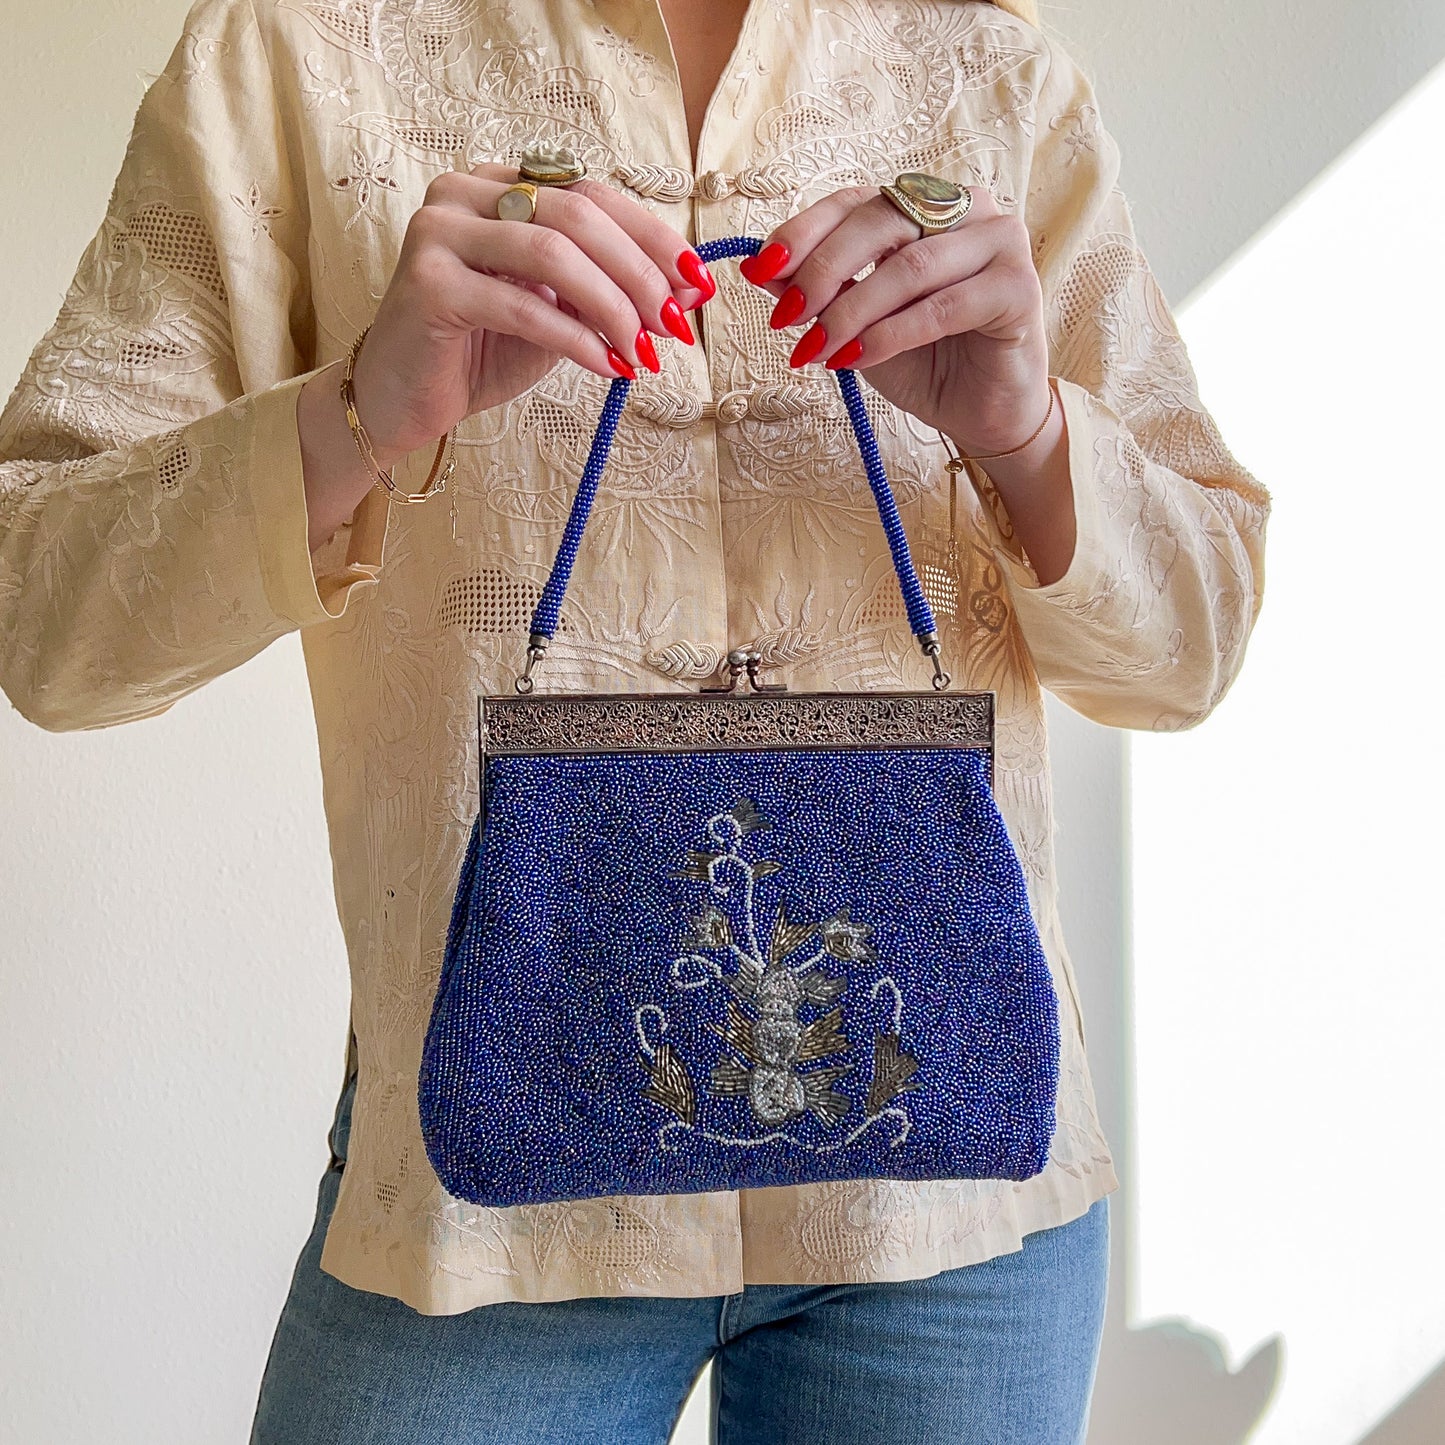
(948, 326)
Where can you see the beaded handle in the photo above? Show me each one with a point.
(548, 613)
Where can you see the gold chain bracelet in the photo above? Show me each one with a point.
(956, 460)
(438, 477)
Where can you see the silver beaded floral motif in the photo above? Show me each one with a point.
(769, 1046)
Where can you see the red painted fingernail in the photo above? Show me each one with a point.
(675, 321)
(690, 266)
(810, 343)
(621, 366)
(766, 264)
(791, 305)
(845, 355)
(646, 351)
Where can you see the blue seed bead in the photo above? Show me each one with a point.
(561, 980)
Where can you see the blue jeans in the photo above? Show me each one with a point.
(997, 1353)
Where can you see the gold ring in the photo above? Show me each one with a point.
(550, 165)
(518, 202)
(930, 202)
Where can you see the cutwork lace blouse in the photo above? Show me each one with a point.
(153, 529)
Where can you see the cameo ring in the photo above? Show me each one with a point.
(930, 202)
(544, 164)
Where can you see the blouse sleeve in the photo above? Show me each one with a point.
(153, 526)
(1148, 626)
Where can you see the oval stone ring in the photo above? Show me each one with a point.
(930, 202)
(518, 202)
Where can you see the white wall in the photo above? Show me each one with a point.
(172, 980)
(172, 977)
(1275, 1280)
(1287, 860)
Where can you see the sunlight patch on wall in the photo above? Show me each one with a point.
(1290, 979)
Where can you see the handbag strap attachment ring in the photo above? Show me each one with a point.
(536, 651)
(928, 641)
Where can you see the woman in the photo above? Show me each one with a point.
(183, 485)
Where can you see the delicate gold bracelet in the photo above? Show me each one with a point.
(993, 456)
(439, 476)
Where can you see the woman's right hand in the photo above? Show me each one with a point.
(478, 309)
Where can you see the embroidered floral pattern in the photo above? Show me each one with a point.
(203, 56)
(363, 181)
(257, 211)
(342, 91)
(641, 69)
(1080, 130)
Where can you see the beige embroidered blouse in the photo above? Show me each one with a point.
(153, 525)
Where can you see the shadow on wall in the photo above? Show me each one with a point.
(1417, 1418)
(1168, 1382)
(1171, 1381)
(1304, 82)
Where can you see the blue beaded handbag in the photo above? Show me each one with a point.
(734, 939)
